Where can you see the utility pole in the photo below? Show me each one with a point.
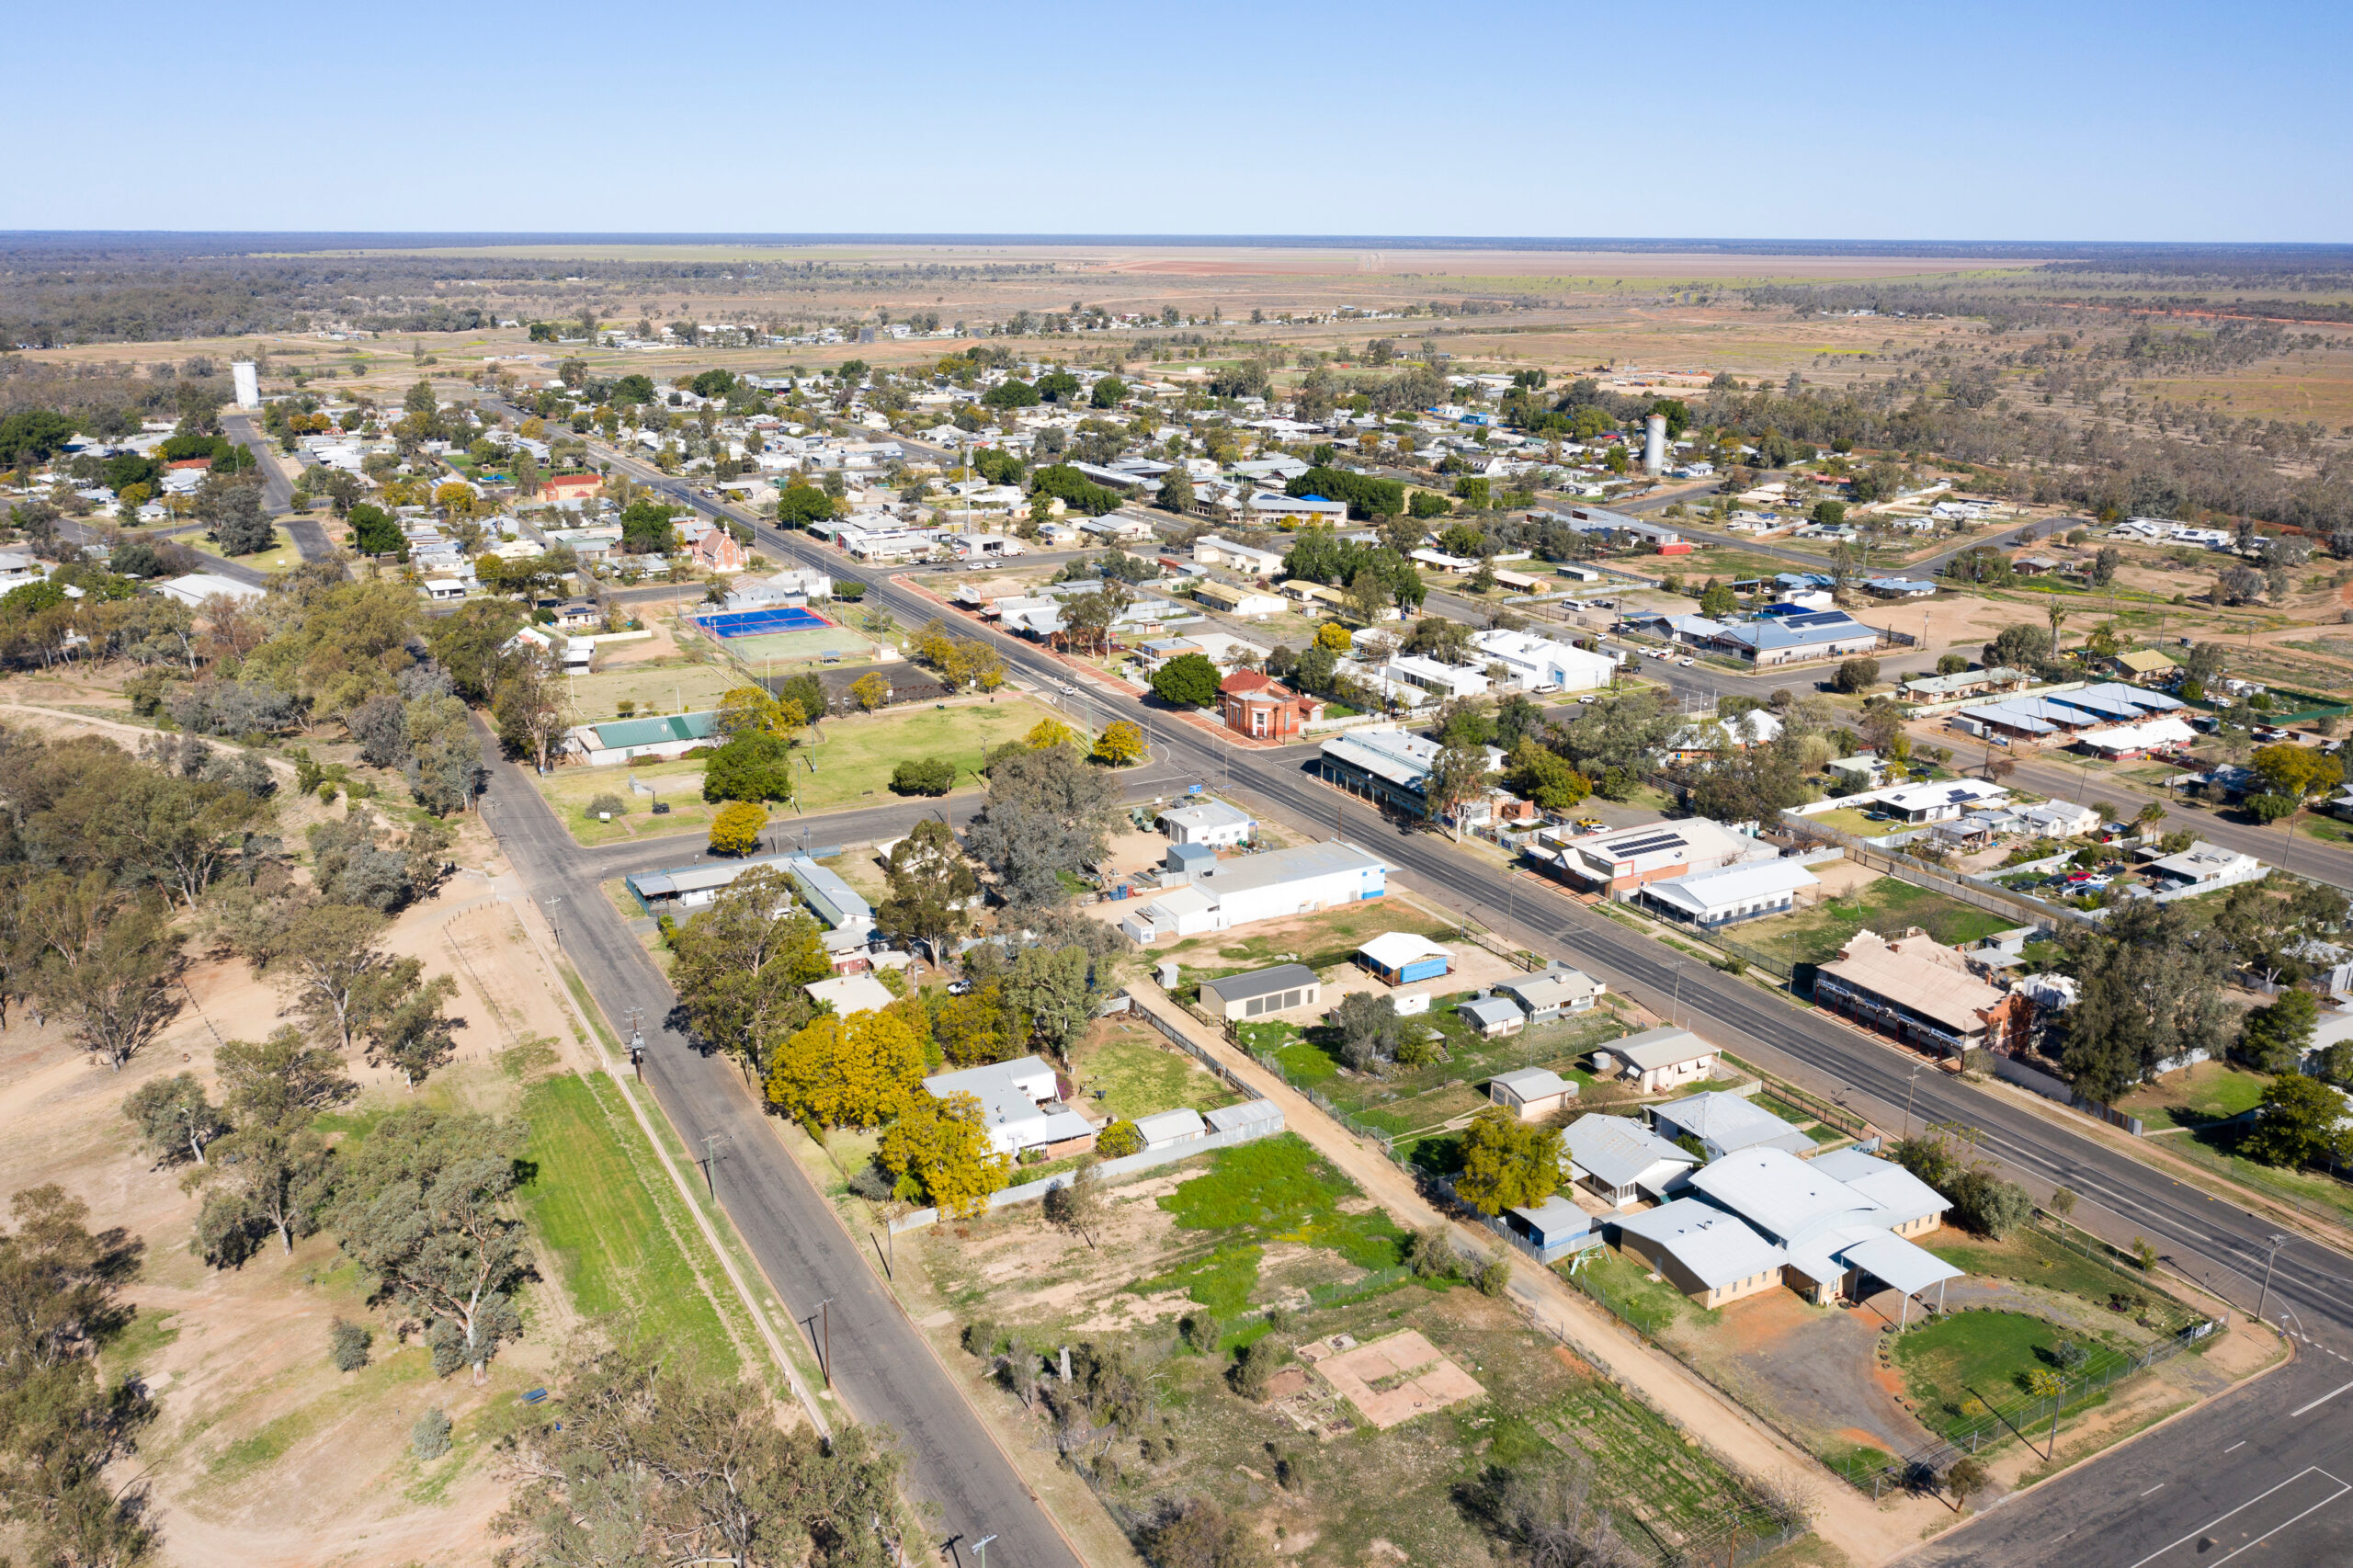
(980, 1550)
(1910, 1085)
(2263, 1301)
(826, 1315)
(711, 1143)
(554, 929)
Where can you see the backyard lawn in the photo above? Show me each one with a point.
(1886, 906)
(1128, 1073)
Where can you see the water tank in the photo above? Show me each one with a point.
(1654, 445)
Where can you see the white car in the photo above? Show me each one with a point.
(1687, 661)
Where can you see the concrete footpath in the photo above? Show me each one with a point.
(1867, 1532)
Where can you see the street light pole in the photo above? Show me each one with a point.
(2263, 1301)
(826, 1314)
(1910, 1086)
(980, 1550)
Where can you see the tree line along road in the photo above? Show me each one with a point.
(2206, 1237)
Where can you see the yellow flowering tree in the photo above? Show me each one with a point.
(944, 1145)
(856, 1072)
(1120, 743)
(1048, 733)
(736, 829)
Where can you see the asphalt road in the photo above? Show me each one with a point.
(2207, 1238)
(310, 535)
(883, 1371)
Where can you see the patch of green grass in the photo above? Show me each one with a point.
(2209, 1092)
(2025, 1255)
(1281, 1190)
(1269, 1035)
(618, 1240)
(1624, 1285)
(1307, 1063)
(853, 756)
(1136, 1077)
(1965, 1356)
(146, 1333)
(278, 557)
(1222, 1281)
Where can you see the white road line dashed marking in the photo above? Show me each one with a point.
(2160, 1486)
(2341, 1490)
(2240, 1444)
(2320, 1400)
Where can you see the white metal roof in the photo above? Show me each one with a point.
(1702, 893)
(1717, 1247)
(852, 993)
(1663, 1047)
(1171, 1126)
(1617, 1151)
(1909, 1268)
(1395, 949)
(1727, 1120)
(1533, 1083)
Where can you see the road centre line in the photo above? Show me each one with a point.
(2323, 1398)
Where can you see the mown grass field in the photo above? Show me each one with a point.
(626, 1249)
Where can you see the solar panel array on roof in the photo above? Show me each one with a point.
(1818, 618)
(1648, 846)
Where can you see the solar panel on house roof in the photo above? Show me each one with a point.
(1646, 846)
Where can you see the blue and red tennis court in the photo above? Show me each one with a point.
(762, 622)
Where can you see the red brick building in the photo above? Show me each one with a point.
(1264, 708)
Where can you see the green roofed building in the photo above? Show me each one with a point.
(620, 740)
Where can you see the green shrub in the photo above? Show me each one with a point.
(429, 1439)
(347, 1344)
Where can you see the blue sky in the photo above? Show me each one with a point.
(1950, 121)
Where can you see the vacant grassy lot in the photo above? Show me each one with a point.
(2195, 1096)
(2029, 1256)
(1130, 1073)
(678, 784)
(657, 686)
(1270, 1225)
(849, 761)
(278, 557)
(1886, 906)
(621, 1237)
(853, 758)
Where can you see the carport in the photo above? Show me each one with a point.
(1897, 1263)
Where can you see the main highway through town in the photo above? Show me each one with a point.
(2218, 1473)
